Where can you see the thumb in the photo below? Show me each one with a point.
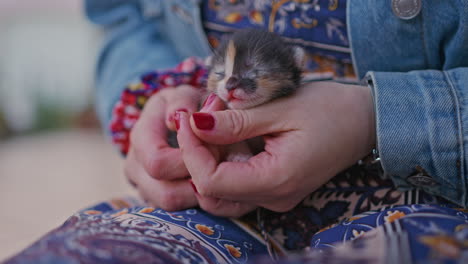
(230, 126)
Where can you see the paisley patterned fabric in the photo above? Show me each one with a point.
(357, 216)
(400, 234)
(126, 231)
(357, 190)
(319, 27)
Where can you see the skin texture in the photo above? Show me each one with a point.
(152, 166)
(320, 130)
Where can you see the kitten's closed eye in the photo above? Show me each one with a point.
(253, 74)
(220, 75)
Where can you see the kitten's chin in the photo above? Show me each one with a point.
(241, 103)
(240, 100)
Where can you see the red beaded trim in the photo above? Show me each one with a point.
(127, 110)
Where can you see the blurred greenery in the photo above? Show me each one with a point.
(3, 127)
(50, 117)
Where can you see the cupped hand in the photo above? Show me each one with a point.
(152, 166)
(220, 207)
(309, 137)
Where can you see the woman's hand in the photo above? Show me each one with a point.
(309, 137)
(152, 166)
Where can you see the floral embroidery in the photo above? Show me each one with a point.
(392, 216)
(205, 229)
(146, 210)
(234, 251)
(319, 27)
(92, 212)
(357, 234)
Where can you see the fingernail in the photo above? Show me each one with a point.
(177, 119)
(193, 186)
(172, 118)
(209, 100)
(203, 121)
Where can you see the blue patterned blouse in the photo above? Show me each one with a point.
(317, 26)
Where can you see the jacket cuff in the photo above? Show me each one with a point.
(419, 118)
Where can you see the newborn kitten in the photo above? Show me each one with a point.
(251, 68)
(254, 67)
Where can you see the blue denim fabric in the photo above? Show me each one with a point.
(417, 69)
(141, 35)
(418, 72)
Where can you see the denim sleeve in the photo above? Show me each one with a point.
(422, 129)
(134, 44)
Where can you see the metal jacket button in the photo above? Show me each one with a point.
(420, 178)
(406, 9)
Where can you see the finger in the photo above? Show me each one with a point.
(183, 98)
(224, 208)
(149, 140)
(230, 126)
(194, 152)
(212, 103)
(168, 195)
(239, 181)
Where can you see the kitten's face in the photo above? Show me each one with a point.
(249, 70)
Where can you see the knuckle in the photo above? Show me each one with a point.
(212, 207)
(155, 168)
(169, 200)
(205, 189)
(238, 122)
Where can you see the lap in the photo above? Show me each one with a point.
(126, 231)
(357, 203)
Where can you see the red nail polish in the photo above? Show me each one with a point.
(177, 120)
(193, 186)
(203, 121)
(182, 110)
(209, 100)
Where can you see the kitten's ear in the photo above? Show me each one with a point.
(299, 56)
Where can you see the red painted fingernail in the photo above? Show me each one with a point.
(203, 121)
(177, 120)
(209, 100)
(182, 110)
(193, 186)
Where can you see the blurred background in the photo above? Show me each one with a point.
(54, 159)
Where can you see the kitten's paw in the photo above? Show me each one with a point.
(238, 157)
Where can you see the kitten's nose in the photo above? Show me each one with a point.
(232, 83)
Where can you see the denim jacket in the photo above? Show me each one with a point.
(417, 68)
